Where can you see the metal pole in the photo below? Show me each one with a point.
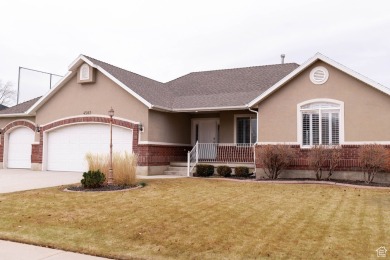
(50, 81)
(17, 96)
(110, 179)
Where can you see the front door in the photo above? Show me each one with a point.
(206, 133)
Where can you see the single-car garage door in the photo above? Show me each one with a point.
(67, 146)
(19, 148)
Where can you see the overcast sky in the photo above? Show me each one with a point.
(167, 39)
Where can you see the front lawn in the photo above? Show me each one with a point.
(204, 219)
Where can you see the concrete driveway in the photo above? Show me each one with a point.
(12, 180)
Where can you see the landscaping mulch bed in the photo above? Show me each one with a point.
(103, 188)
(303, 180)
(352, 182)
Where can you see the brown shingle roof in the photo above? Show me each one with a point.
(151, 90)
(20, 108)
(218, 88)
(229, 87)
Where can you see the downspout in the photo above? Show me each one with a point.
(257, 136)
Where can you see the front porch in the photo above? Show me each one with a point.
(216, 154)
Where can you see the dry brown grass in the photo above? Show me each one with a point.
(124, 166)
(204, 219)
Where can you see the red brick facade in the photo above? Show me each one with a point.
(149, 155)
(349, 158)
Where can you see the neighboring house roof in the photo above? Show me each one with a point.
(2, 107)
(19, 108)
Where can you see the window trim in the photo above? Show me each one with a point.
(85, 67)
(319, 100)
(251, 116)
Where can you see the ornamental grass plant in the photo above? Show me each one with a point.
(124, 166)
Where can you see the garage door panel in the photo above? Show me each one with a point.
(19, 148)
(67, 146)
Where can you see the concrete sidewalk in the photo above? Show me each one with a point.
(18, 251)
(12, 180)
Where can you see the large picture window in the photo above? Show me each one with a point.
(320, 124)
(246, 130)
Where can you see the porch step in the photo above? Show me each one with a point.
(177, 170)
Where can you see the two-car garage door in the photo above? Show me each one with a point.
(66, 147)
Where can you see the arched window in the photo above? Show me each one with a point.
(320, 123)
(84, 72)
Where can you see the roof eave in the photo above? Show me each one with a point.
(316, 57)
(208, 109)
(16, 115)
(72, 69)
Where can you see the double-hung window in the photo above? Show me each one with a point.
(320, 124)
(246, 129)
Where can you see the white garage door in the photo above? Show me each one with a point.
(67, 146)
(19, 148)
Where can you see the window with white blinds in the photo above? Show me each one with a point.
(320, 124)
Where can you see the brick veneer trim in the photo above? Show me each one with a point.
(14, 124)
(349, 158)
(148, 155)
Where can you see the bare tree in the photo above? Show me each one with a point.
(7, 93)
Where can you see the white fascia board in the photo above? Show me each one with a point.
(354, 74)
(309, 62)
(75, 62)
(80, 59)
(161, 108)
(54, 89)
(126, 88)
(16, 115)
(206, 109)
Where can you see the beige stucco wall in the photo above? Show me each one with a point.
(226, 122)
(5, 121)
(169, 127)
(366, 110)
(73, 99)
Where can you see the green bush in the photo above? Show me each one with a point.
(93, 179)
(204, 170)
(224, 171)
(242, 171)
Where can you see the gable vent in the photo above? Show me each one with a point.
(319, 75)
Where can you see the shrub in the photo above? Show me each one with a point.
(93, 179)
(317, 159)
(372, 158)
(323, 158)
(204, 170)
(334, 158)
(224, 171)
(275, 158)
(124, 166)
(241, 171)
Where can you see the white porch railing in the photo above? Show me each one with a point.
(220, 152)
(192, 159)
